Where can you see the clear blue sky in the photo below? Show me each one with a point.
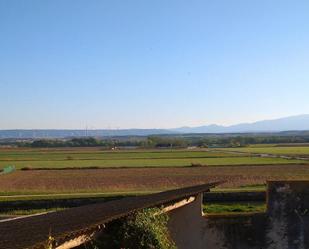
(154, 63)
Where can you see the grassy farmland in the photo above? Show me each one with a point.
(227, 208)
(135, 172)
(138, 171)
(95, 157)
(274, 149)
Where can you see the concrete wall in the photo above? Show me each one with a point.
(288, 213)
(190, 229)
(284, 226)
(186, 225)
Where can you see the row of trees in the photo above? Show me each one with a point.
(81, 142)
(166, 141)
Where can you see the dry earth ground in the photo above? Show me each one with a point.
(143, 179)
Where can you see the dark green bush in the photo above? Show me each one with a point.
(145, 229)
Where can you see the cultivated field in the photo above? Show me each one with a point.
(141, 171)
(274, 149)
(143, 179)
(95, 157)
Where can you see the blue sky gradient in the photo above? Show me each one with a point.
(151, 64)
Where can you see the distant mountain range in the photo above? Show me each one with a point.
(293, 123)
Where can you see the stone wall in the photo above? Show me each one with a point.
(285, 225)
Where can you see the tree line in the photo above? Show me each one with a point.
(164, 141)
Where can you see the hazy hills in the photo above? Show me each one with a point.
(293, 123)
(297, 123)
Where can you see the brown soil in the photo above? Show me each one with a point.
(144, 179)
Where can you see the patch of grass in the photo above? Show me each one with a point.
(254, 186)
(97, 154)
(21, 212)
(257, 188)
(11, 196)
(86, 158)
(183, 162)
(262, 145)
(242, 188)
(289, 150)
(223, 208)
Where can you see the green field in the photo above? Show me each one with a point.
(23, 212)
(97, 154)
(70, 158)
(290, 150)
(140, 171)
(148, 162)
(230, 207)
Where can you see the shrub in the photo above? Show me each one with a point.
(27, 168)
(196, 165)
(146, 229)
